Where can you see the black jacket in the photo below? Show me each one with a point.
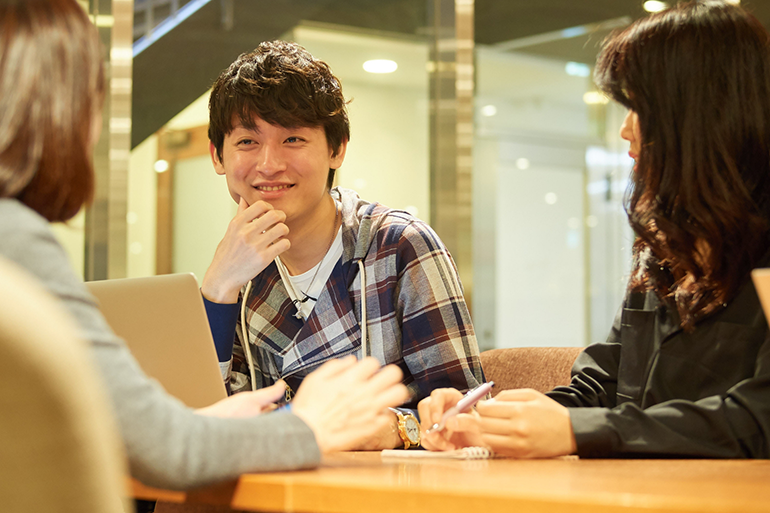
(653, 390)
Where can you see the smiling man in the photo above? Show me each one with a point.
(284, 290)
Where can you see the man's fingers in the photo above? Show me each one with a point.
(276, 248)
(253, 211)
(274, 392)
(387, 376)
(362, 370)
(242, 205)
(393, 396)
(333, 367)
(436, 442)
(423, 409)
(442, 400)
(462, 423)
(274, 233)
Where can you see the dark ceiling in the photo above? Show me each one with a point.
(180, 66)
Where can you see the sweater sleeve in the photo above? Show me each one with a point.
(438, 340)
(733, 425)
(167, 444)
(594, 374)
(222, 320)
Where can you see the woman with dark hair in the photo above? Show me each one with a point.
(686, 369)
(51, 89)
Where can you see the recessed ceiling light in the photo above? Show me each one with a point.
(488, 110)
(161, 166)
(577, 69)
(380, 66)
(654, 6)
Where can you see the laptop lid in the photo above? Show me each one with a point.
(164, 323)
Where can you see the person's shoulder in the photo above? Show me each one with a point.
(16, 216)
(408, 232)
(21, 227)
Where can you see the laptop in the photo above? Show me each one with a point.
(164, 323)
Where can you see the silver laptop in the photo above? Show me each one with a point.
(163, 321)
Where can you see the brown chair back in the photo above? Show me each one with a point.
(539, 368)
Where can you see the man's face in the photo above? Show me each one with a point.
(286, 167)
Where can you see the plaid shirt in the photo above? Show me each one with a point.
(416, 313)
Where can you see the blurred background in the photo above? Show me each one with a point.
(479, 117)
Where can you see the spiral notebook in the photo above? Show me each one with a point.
(466, 453)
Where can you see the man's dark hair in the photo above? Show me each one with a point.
(698, 77)
(282, 84)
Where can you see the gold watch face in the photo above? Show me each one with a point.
(412, 429)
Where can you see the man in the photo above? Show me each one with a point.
(298, 254)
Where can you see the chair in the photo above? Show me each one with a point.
(60, 451)
(539, 368)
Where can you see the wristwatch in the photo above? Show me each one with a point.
(408, 428)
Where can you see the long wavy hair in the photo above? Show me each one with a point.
(698, 77)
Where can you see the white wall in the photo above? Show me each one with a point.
(553, 272)
(540, 293)
(387, 158)
(142, 209)
(202, 210)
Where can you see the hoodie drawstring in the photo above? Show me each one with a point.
(362, 274)
(245, 337)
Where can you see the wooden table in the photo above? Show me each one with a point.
(363, 482)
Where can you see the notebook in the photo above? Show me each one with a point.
(164, 323)
(761, 278)
(466, 453)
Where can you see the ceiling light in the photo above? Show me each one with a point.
(380, 66)
(488, 110)
(522, 163)
(595, 98)
(577, 69)
(161, 166)
(551, 198)
(654, 6)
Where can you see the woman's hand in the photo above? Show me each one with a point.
(525, 424)
(345, 402)
(246, 404)
(459, 431)
(254, 237)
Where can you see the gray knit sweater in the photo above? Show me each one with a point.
(167, 444)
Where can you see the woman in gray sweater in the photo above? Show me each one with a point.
(51, 90)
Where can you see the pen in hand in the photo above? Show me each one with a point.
(463, 405)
